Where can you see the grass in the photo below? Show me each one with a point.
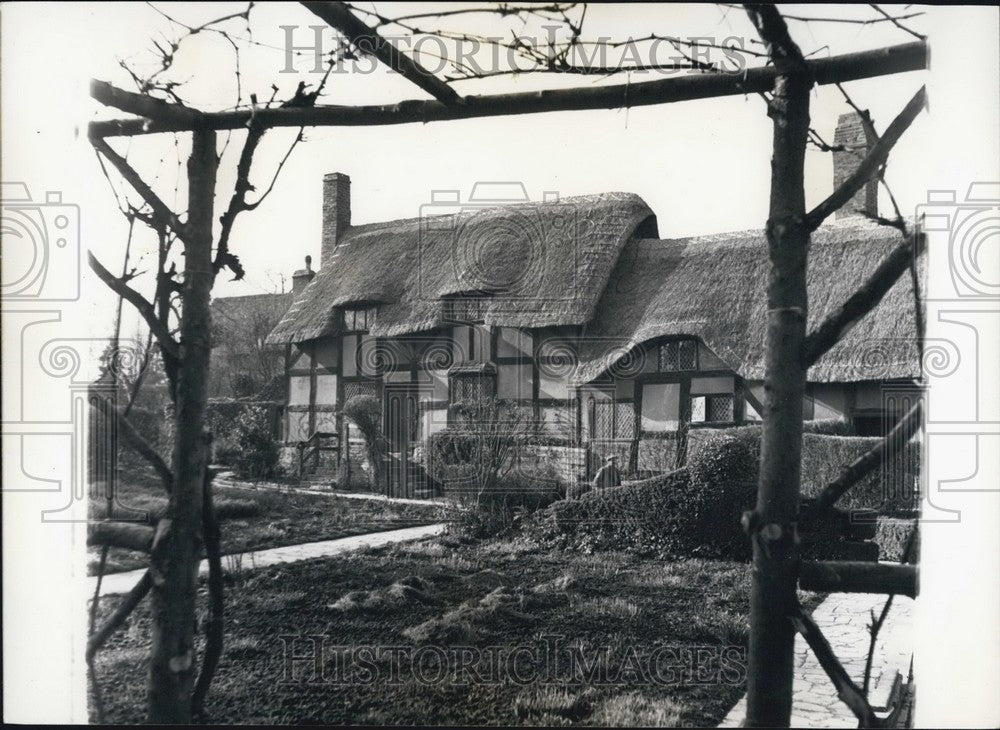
(262, 519)
(623, 636)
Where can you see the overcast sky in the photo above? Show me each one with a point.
(702, 166)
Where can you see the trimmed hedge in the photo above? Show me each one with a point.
(891, 536)
(889, 491)
(692, 511)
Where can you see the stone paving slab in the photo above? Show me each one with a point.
(122, 582)
(844, 620)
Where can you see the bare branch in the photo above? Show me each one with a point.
(847, 691)
(132, 599)
(869, 167)
(337, 15)
(895, 22)
(142, 105)
(144, 306)
(848, 67)
(160, 208)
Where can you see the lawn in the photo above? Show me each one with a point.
(266, 518)
(440, 632)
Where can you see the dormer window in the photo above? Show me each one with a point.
(465, 309)
(358, 319)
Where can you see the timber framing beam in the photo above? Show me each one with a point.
(859, 577)
(836, 69)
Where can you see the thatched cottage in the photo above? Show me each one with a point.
(613, 336)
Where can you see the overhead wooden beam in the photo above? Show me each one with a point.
(837, 69)
(339, 16)
(130, 536)
(858, 577)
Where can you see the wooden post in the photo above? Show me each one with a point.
(772, 527)
(176, 549)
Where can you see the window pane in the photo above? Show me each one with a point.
(326, 389)
(349, 365)
(668, 357)
(660, 406)
(698, 409)
(432, 421)
(720, 408)
(514, 381)
(707, 386)
(687, 355)
(359, 388)
(298, 390)
(513, 342)
(624, 421)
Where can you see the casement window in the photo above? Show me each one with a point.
(469, 386)
(677, 355)
(359, 320)
(661, 406)
(606, 416)
(465, 309)
(713, 400)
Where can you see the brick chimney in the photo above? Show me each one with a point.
(336, 212)
(302, 277)
(852, 135)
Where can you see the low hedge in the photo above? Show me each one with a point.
(692, 511)
(892, 534)
(890, 491)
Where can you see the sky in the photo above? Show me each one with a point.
(702, 166)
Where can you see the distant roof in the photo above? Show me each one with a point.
(542, 264)
(713, 287)
(244, 316)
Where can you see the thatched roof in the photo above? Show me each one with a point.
(543, 264)
(713, 287)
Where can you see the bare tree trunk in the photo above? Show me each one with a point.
(773, 598)
(177, 547)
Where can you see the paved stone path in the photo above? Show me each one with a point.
(122, 582)
(844, 620)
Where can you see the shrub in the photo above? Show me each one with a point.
(888, 490)
(365, 411)
(486, 440)
(256, 454)
(692, 511)
(892, 534)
